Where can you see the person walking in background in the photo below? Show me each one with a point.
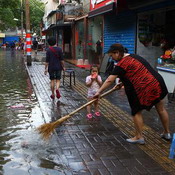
(12, 45)
(144, 88)
(35, 45)
(93, 82)
(22, 45)
(54, 65)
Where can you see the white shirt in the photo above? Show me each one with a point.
(94, 86)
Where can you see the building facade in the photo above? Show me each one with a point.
(142, 27)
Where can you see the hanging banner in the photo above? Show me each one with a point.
(95, 4)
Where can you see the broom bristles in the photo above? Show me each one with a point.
(47, 129)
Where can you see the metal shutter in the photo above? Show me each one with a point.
(120, 28)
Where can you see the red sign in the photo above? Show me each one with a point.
(95, 4)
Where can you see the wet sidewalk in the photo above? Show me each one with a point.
(98, 147)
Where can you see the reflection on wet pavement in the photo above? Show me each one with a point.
(22, 151)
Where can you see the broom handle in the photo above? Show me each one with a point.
(90, 102)
(62, 119)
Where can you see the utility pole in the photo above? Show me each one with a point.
(22, 19)
(28, 34)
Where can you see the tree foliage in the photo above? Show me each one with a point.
(7, 13)
(10, 9)
(36, 14)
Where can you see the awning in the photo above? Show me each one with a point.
(44, 32)
(82, 17)
(102, 10)
(134, 4)
(51, 13)
(61, 25)
(53, 26)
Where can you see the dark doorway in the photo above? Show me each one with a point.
(67, 42)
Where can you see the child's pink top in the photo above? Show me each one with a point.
(94, 87)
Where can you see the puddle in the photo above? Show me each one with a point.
(22, 151)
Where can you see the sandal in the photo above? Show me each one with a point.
(58, 93)
(89, 116)
(97, 114)
(139, 141)
(166, 136)
(52, 96)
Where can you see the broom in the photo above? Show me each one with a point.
(47, 129)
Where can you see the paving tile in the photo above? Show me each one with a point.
(94, 171)
(104, 171)
(98, 147)
(120, 172)
(86, 157)
(108, 163)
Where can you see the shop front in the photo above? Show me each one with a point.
(120, 28)
(150, 34)
(156, 39)
(95, 39)
(59, 36)
(80, 41)
(166, 62)
(63, 34)
(61, 29)
(96, 23)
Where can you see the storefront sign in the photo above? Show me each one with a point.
(2, 35)
(95, 4)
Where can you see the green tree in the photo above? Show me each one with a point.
(36, 14)
(7, 13)
(10, 9)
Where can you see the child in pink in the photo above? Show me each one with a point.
(93, 82)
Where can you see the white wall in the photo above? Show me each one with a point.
(50, 5)
(86, 5)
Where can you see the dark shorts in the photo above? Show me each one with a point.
(55, 75)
